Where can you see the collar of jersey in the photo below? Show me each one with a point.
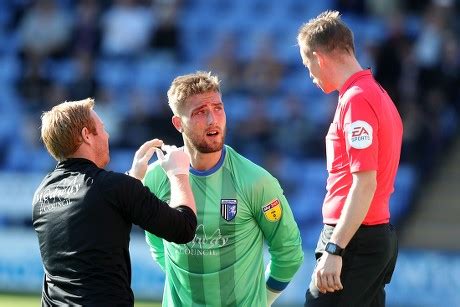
(213, 169)
(353, 78)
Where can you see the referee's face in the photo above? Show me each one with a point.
(203, 122)
(315, 63)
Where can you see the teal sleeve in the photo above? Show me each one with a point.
(156, 249)
(281, 232)
(155, 181)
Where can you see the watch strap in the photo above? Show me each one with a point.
(334, 249)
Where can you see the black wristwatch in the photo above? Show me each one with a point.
(334, 249)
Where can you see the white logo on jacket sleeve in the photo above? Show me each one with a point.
(359, 134)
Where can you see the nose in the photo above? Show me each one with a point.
(210, 117)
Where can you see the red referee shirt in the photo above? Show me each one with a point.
(366, 134)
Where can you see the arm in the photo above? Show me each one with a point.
(139, 206)
(176, 165)
(356, 206)
(176, 223)
(354, 211)
(156, 247)
(181, 192)
(178, 190)
(358, 113)
(281, 233)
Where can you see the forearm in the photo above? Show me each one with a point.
(280, 270)
(181, 192)
(282, 267)
(356, 207)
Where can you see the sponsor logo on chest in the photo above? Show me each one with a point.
(205, 243)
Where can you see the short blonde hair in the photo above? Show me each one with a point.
(62, 126)
(327, 33)
(185, 86)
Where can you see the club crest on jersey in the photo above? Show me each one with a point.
(359, 134)
(273, 210)
(228, 209)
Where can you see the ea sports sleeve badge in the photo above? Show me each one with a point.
(359, 134)
(273, 210)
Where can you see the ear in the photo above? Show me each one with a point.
(319, 58)
(85, 135)
(176, 121)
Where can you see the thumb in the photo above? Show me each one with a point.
(160, 154)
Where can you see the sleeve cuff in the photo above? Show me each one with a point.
(276, 285)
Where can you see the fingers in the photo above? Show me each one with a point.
(327, 275)
(338, 282)
(331, 287)
(319, 282)
(325, 283)
(168, 148)
(147, 145)
(328, 283)
(160, 154)
(148, 155)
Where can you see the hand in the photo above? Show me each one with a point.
(327, 273)
(142, 158)
(175, 162)
(271, 296)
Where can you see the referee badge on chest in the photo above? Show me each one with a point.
(228, 209)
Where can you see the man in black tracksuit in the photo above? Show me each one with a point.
(83, 214)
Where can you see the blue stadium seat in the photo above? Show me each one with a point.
(401, 199)
(154, 73)
(121, 159)
(62, 71)
(236, 107)
(10, 69)
(114, 73)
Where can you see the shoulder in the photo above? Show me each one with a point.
(360, 100)
(366, 90)
(112, 179)
(248, 172)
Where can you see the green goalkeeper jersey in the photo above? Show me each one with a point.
(239, 204)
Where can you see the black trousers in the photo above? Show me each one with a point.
(368, 264)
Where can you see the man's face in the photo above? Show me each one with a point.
(101, 142)
(203, 122)
(316, 71)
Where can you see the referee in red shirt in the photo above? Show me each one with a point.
(357, 249)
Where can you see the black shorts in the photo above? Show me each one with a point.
(368, 264)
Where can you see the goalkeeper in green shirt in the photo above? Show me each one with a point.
(239, 205)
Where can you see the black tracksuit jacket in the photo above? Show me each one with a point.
(83, 216)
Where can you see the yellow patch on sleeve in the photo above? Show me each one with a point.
(273, 210)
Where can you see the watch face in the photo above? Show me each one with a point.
(331, 248)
